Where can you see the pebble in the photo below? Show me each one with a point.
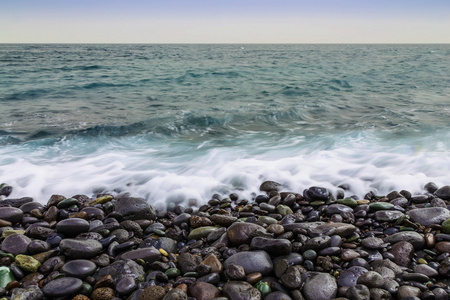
(279, 245)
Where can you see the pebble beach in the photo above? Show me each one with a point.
(310, 245)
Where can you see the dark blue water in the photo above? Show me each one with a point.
(173, 122)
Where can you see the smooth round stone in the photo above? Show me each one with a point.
(406, 291)
(416, 239)
(272, 246)
(252, 261)
(27, 263)
(349, 254)
(276, 229)
(80, 248)
(284, 210)
(337, 209)
(443, 247)
(72, 227)
(268, 186)
(372, 243)
(426, 270)
(388, 215)
(380, 294)
(178, 294)
(16, 244)
(429, 215)
(38, 246)
(446, 226)
(415, 277)
(292, 278)
(371, 279)
(223, 220)
(79, 268)
(11, 214)
(267, 220)
(241, 290)
(235, 272)
(27, 207)
(64, 286)
(317, 193)
(443, 192)
(242, 233)
(380, 206)
(310, 254)
(319, 286)
(201, 232)
(131, 208)
(348, 201)
(350, 276)
(66, 203)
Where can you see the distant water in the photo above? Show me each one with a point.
(175, 122)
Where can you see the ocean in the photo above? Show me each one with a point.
(173, 123)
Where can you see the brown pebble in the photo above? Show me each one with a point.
(51, 214)
(253, 278)
(81, 215)
(105, 281)
(214, 263)
(276, 229)
(4, 223)
(349, 254)
(430, 240)
(443, 247)
(348, 246)
(183, 287)
(36, 213)
(153, 293)
(12, 285)
(103, 293)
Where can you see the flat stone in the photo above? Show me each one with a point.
(429, 215)
(11, 214)
(443, 192)
(149, 255)
(79, 268)
(337, 209)
(16, 244)
(388, 215)
(274, 247)
(252, 261)
(241, 290)
(372, 243)
(126, 286)
(72, 227)
(319, 286)
(443, 247)
(80, 248)
(371, 279)
(63, 286)
(165, 243)
(426, 270)
(380, 206)
(415, 238)
(201, 232)
(406, 291)
(277, 295)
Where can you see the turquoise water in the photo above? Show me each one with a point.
(174, 122)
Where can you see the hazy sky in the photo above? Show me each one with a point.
(231, 21)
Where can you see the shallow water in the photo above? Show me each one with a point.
(173, 122)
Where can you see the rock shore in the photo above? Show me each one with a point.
(310, 245)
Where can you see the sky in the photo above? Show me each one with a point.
(231, 21)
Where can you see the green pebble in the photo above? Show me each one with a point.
(10, 255)
(191, 274)
(173, 272)
(27, 263)
(264, 288)
(406, 228)
(446, 226)
(201, 232)
(317, 203)
(6, 276)
(267, 220)
(159, 232)
(353, 238)
(336, 258)
(348, 202)
(67, 203)
(310, 254)
(381, 206)
(430, 252)
(422, 261)
(284, 210)
(86, 289)
(104, 232)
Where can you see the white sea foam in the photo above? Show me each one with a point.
(165, 172)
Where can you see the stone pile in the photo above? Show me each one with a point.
(280, 245)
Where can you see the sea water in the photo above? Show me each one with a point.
(171, 123)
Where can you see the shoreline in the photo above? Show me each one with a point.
(279, 245)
